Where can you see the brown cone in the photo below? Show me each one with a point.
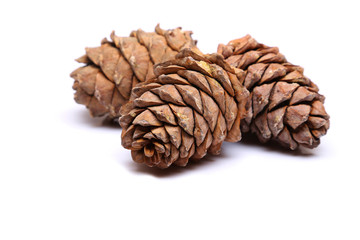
(286, 105)
(193, 105)
(104, 84)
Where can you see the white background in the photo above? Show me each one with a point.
(64, 175)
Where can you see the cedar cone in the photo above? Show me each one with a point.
(286, 105)
(114, 68)
(195, 103)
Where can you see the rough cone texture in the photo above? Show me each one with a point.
(286, 105)
(193, 105)
(114, 68)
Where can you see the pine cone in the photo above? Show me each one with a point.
(195, 103)
(286, 105)
(114, 68)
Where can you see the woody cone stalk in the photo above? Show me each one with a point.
(286, 106)
(104, 84)
(195, 103)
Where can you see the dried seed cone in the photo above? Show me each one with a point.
(286, 105)
(104, 84)
(195, 103)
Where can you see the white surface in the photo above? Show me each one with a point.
(65, 176)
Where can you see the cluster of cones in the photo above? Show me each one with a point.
(175, 103)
